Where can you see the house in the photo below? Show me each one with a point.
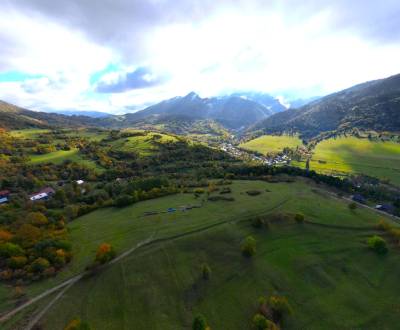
(79, 182)
(4, 193)
(358, 198)
(3, 200)
(45, 193)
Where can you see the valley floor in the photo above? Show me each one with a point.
(323, 266)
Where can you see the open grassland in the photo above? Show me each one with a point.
(144, 145)
(271, 143)
(324, 269)
(350, 155)
(57, 157)
(29, 133)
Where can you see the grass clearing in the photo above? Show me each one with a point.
(272, 143)
(320, 269)
(144, 145)
(31, 133)
(351, 155)
(59, 156)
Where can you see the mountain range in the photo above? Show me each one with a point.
(371, 105)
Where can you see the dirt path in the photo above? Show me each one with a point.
(149, 241)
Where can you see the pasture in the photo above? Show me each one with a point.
(272, 143)
(323, 267)
(351, 155)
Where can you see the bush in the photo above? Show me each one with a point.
(77, 324)
(249, 247)
(205, 272)
(260, 322)
(124, 200)
(220, 198)
(378, 244)
(299, 218)
(17, 262)
(40, 264)
(10, 250)
(199, 323)
(352, 206)
(280, 307)
(105, 253)
(253, 192)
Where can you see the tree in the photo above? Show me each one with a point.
(352, 206)
(378, 244)
(280, 307)
(199, 323)
(249, 246)
(37, 219)
(105, 253)
(10, 250)
(299, 218)
(40, 264)
(260, 322)
(124, 200)
(205, 271)
(77, 324)
(28, 234)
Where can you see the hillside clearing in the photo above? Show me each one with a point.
(272, 143)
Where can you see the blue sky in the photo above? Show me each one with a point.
(120, 55)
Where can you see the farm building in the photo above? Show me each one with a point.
(43, 194)
(4, 193)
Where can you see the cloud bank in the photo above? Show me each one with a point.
(115, 55)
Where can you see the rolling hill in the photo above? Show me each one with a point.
(371, 105)
(14, 117)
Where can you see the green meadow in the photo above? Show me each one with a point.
(59, 156)
(351, 155)
(144, 145)
(321, 266)
(272, 143)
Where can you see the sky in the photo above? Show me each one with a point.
(119, 56)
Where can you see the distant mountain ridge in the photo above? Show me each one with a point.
(233, 111)
(371, 105)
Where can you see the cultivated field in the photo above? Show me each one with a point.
(321, 266)
(271, 143)
(350, 155)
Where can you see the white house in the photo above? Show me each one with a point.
(79, 182)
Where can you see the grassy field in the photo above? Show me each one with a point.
(271, 143)
(29, 133)
(346, 155)
(329, 276)
(59, 156)
(144, 145)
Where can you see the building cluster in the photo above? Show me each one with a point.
(43, 194)
(269, 161)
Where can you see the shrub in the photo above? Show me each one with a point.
(5, 235)
(249, 247)
(205, 271)
(253, 192)
(10, 250)
(77, 324)
(40, 264)
(105, 253)
(225, 190)
(220, 198)
(352, 206)
(124, 200)
(383, 225)
(17, 262)
(257, 222)
(199, 323)
(280, 307)
(378, 244)
(260, 322)
(299, 218)
(37, 219)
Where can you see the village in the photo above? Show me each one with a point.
(279, 159)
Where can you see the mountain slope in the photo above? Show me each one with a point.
(231, 111)
(371, 105)
(13, 117)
